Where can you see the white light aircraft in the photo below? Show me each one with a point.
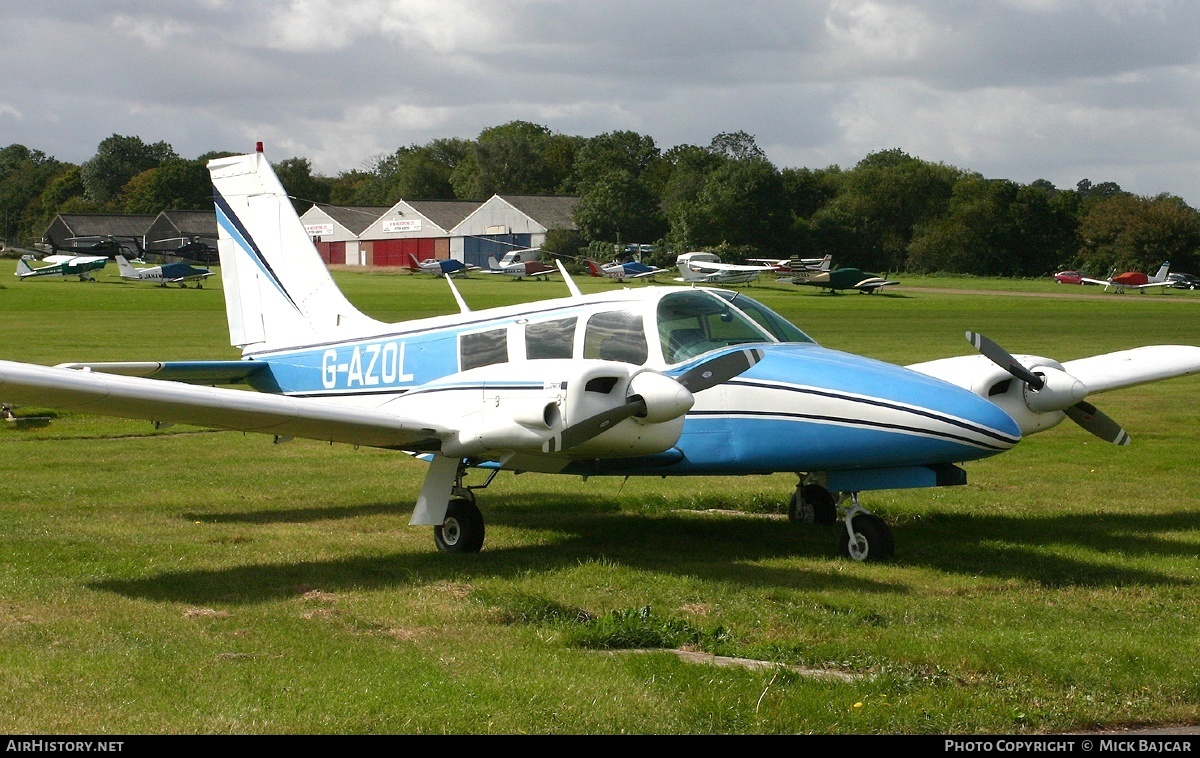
(61, 265)
(167, 273)
(706, 268)
(786, 266)
(653, 381)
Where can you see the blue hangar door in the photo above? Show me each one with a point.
(477, 248)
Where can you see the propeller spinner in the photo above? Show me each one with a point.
(1052, 389)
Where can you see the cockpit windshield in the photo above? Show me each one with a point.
(694, 322)
(779, 327)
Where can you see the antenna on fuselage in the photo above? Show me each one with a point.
(567, 278)
(462, 304)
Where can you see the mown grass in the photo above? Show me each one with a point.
(183, 581)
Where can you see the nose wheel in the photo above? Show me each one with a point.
(865, 536)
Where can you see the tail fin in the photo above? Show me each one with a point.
(826, 262)
(126, 268)
(492, 264)
(23, 267)
(413, 265)
(278, 291)
(593, 269)
(1163, 270)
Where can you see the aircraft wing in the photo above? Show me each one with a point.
(725, 268)
(1105, 282)
(218, 408)
(1127, 368)
(188, 372)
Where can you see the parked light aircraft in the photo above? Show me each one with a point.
(167, 273)
(62, 266)
(654, 381)
(622, 271)
(702, 267)
(844, 279)
(440, 267)
(1134, 280)
(787, 266)
(521, 269)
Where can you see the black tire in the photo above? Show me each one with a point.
(873, 537)
(812, 504)
(462, 531)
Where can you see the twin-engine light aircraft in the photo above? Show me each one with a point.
(653, 381)
(60, 266)
(1134, 280)
(167, 273)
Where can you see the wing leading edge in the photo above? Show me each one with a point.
(137, 397)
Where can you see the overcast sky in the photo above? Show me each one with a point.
(1063, 90)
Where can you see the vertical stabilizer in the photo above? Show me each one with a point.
(126, 269)
(1161, 276)
(278, 291)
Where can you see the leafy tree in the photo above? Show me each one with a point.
(175, 184)
(737, 146)
(882, 201)
(304, 189)
(118, 159)
(604, 154)
(508, 159)
(24, 173)
(743, 204)
(616, 207)
(1128, 232)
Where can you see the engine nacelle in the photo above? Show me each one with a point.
(1060, 391)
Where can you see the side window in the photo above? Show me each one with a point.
(482, 348)
(615, 336)
(550, 339)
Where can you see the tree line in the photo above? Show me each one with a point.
(891, 212)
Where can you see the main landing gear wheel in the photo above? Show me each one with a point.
(871, 540)
(812, 504)
(462, 531)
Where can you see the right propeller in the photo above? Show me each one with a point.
(1052, 389)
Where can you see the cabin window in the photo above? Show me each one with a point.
(483, 348)
(616, 336)
(550, 339)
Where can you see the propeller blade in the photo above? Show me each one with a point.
(579, 433)
(1004, 360)
(719, 370)
(1092, 419)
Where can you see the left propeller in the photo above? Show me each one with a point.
(1051, 389)
(657, 397)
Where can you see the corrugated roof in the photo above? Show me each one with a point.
(192, 222)
(444, 213)
(354, 217)
(105, 224)
(551, 211)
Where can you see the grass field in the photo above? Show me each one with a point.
(182, 581)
